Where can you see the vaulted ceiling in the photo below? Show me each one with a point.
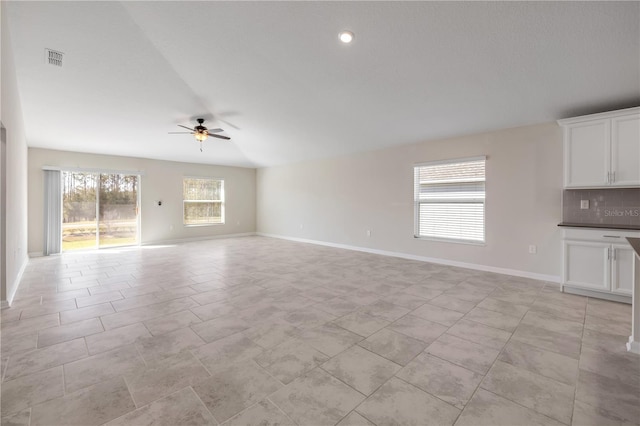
(276, 78)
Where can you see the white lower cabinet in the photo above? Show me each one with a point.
(587, 265)
(599, 261)
(622, 269)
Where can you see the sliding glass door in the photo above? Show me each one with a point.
(79, 219)
(99, 210)
(118, 206)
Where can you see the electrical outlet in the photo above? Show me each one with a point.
(301, 226)
(170, 227)
(584, 204)
(368, 232)
(533, 249)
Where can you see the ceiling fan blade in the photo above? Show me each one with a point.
(220, 137)
(180, 133)
(185, 127)
(214, 131)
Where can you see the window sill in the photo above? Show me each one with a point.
(199, 225)
(451, 240)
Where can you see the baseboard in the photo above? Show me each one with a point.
(16, 283)
(187, 240)
(475, 266)
(597, 294)
(159, 242)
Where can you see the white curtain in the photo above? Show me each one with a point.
(52, 212)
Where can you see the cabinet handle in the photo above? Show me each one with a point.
(614, 254)
(608, 177)
(613, 177)
(611, 236)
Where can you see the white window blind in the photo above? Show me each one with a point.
(203, 201)
(449, 200)
(52, 212)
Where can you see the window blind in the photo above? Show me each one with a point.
(52, 212)
(449, 199)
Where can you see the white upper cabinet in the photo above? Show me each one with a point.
(587, 152)
(625, 150)
(602, 150)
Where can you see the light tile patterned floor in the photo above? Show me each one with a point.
(255, 330)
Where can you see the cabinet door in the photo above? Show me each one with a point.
(625, 150)
(587, 265)
(622, 269)
(587, 154)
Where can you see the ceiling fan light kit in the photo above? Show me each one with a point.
(346, 37)
(201, 133)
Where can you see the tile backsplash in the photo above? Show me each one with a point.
(606, 206)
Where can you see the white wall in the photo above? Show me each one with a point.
(338, 200)
(162, 180)
(16, 173)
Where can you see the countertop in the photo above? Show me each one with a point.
(635, 244)
(600, 226)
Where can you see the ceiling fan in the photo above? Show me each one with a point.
(201, 133)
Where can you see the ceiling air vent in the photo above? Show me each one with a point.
(53, 57)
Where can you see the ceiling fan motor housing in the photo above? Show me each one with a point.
(200, 128)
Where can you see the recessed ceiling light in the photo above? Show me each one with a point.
(346, 37)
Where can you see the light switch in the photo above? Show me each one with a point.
(584, 204)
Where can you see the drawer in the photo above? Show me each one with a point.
(613, 236)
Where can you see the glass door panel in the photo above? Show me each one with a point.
(79, 230)
(99, 210)
(118, 207)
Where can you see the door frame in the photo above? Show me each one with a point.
(3, 210)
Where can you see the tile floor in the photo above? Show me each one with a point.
(254, 330)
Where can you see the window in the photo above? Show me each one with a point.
(203, 201)
(449, 200)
